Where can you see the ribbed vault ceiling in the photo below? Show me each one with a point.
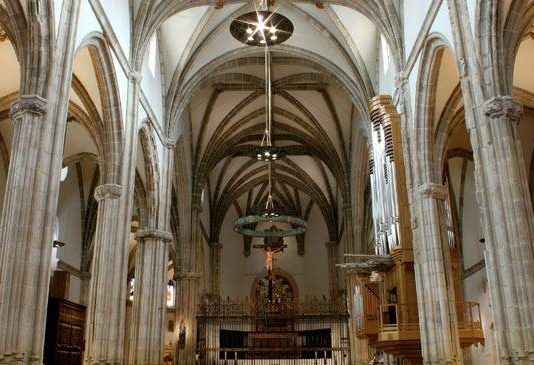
(322, 78)
(312, 121)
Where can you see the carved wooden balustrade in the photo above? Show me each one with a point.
(469, 323)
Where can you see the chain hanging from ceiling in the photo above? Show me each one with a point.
(263, 28)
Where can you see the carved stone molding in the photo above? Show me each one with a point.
(135, 76)
(433, 191)
(108, 191)
(190, 275)
(503, 106)
(33, 104)
(154, 234)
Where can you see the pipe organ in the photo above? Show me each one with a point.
(382, 295)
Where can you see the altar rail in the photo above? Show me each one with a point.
(311, 306)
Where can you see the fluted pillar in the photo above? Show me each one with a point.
(147, 336)
(106, 312)
(508, 227)
(32, 187)
(24, 252)
(331, 247)
(103, 335)
(187, 284)
(215, 267)
(434, 279)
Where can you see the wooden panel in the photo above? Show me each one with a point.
(64, 340)
(59, 285)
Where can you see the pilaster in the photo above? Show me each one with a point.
(331, 249)
(187, 303)
(434, 279)
(215, 267)
(147, 337)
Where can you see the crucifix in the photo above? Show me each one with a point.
(271, 246)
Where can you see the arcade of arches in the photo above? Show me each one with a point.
(394, 226)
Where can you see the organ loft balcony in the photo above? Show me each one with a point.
(384, 308)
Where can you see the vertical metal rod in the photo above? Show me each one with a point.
(268, 93)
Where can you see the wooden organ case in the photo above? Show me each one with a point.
(393, 270)
(382, 290)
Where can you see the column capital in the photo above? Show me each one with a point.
(155, 234)
(503, 106)
(33, 104)
(433, 191)
(108, 191)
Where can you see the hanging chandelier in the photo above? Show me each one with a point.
(263, 28)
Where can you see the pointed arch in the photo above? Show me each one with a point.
(425, 96)
(111, 120)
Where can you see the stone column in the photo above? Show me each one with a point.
(502, 194)
(187, 284)
(105, 323)
(506, 206)
(147, 336)
(25, 246)
(103, 335)
(434, 279)
(32, 187)
(331, 247)
(215, 267)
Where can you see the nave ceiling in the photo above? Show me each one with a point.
(322, 78)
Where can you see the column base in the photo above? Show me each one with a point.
(19, 359)
(102, 362)
(524, 359)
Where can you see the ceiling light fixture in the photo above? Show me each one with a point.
(280, 29)
(257, 26)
